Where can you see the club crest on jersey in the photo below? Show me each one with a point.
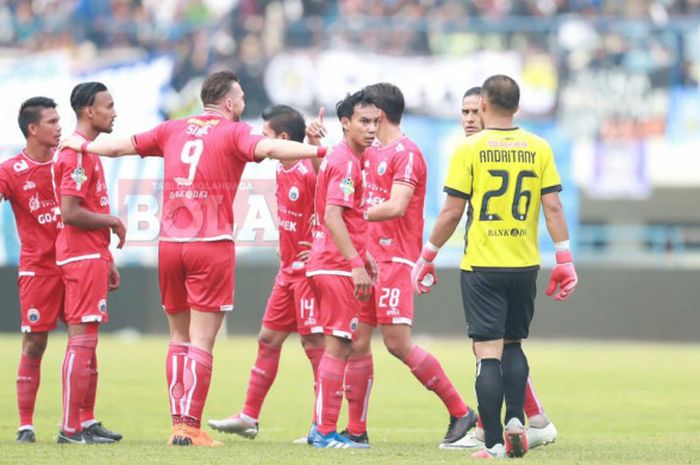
(347, 186)
(102, 305)
(34, 203)
(33, 315)
(381, 169)
(79, 177)
(294, 193)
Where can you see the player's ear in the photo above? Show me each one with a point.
(345, 123)
(31, 129)
(283, 135)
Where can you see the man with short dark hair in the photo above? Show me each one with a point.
(337, 267)
(87, 266)
(470, 117)
(204, 157)
(291, 306)
(506, 174)
(395, 176)
(540, 431)
(25, 182)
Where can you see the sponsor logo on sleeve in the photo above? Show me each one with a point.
(79, 177)
(347, 186)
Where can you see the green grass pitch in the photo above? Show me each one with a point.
(613, 403)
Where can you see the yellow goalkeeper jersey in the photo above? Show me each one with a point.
(503, 173)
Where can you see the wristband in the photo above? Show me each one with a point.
(321, 151)
(429, 251)
(357, 262)
(562, 246)
(83, 146)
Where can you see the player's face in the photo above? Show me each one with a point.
(103, 112)
(361, 129)
(269, 132)
(235, 101)
(471, 119)
(47, 130)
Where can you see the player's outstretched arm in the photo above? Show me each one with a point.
(74, 215)
(448, 219)
(108, 147)
(333, 219)
(281, 149)
(423, 275)
(395, 207)
(564, 273)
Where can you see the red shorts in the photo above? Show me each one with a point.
(86, 291)
(196, 275)
(41, 302)
(392, 302)
(292, 306)
(337, 307)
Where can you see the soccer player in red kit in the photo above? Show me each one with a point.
(338, 262)
(395, 177)
(291, 306)
(204, 158)
(540, 431)
(87, 267)
(25, 182)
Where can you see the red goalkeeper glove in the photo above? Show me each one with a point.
(423, 275)
(563, 276)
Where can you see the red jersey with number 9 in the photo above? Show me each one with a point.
(204, 159)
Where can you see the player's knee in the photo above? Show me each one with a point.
(398, 347)
(312, 341)
(361, 347)
(34, 345)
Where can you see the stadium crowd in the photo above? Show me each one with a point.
(202, 35)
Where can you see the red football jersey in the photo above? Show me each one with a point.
(402, 161)
(204, 159)
(81, 175)
(26, 184)
(339, 183)
(295, 206)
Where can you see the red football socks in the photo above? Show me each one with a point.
(76, 378)
(359, 376)
(330, 393)
(532, 406)
(314, 355)
(87, 411)
(174, 369)
(262, 375)
(197, 377)
(428, 371)
(28, 377)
